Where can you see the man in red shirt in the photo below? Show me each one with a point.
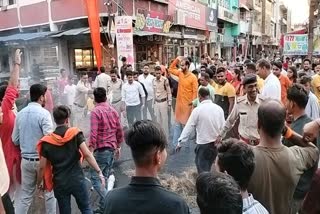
(105, 138)
(8, 95)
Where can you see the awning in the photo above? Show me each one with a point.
(25, 36)
(79, 31)
(72, 32)
(244, 6)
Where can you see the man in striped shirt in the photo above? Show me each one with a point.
(237, 159)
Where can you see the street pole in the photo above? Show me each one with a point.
(312, 8)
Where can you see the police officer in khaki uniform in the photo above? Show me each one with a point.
(162, 99)
(246, 110)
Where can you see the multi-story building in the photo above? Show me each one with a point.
(250, 38)
(245, 24)
(51, 34)
(284, 18)
(196, 23)
(270, 27)
(228, 28)
(55, 33)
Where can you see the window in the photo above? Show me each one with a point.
(45, 55)
(50, 55)
(7, 2)
(224, 3)
(141, 53)
(243, 16)
(84, 58)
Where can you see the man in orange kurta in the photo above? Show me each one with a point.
(187, 92)
(284, 80)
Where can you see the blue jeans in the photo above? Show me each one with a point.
(105, 161)
(177, 129)
(79, 191)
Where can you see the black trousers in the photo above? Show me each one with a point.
(7, 204)
(205, 156)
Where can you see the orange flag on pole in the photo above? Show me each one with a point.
(94, 24)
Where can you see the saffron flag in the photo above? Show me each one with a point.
(94, 24)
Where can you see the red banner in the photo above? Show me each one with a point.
(94, 24)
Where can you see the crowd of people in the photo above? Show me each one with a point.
(255, 126)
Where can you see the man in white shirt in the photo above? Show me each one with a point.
(312, 109)
(147, 80)
(69, 93)
(131, 92)
(102, 80)
(80, 99)
(207, 119)
(272, 86)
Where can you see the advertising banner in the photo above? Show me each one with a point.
(192, 13)
(295, 44)
(124, 35)
(211, 18)
(152, 21)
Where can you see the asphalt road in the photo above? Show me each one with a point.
(176, 165)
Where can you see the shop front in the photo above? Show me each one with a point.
(194, 44)
(151, 32)
(193, 19)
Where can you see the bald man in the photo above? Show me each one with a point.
(278, 168)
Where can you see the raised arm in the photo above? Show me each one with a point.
(14, 76)
(173, 67)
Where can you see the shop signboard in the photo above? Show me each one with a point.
(295, 44)
(227, 15)
(152, 21)
(211, 19)
(189, 13)
(124, 35)
(190, 31)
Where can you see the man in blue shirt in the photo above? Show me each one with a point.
(32, 123)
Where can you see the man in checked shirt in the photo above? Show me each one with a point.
(105, 138)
